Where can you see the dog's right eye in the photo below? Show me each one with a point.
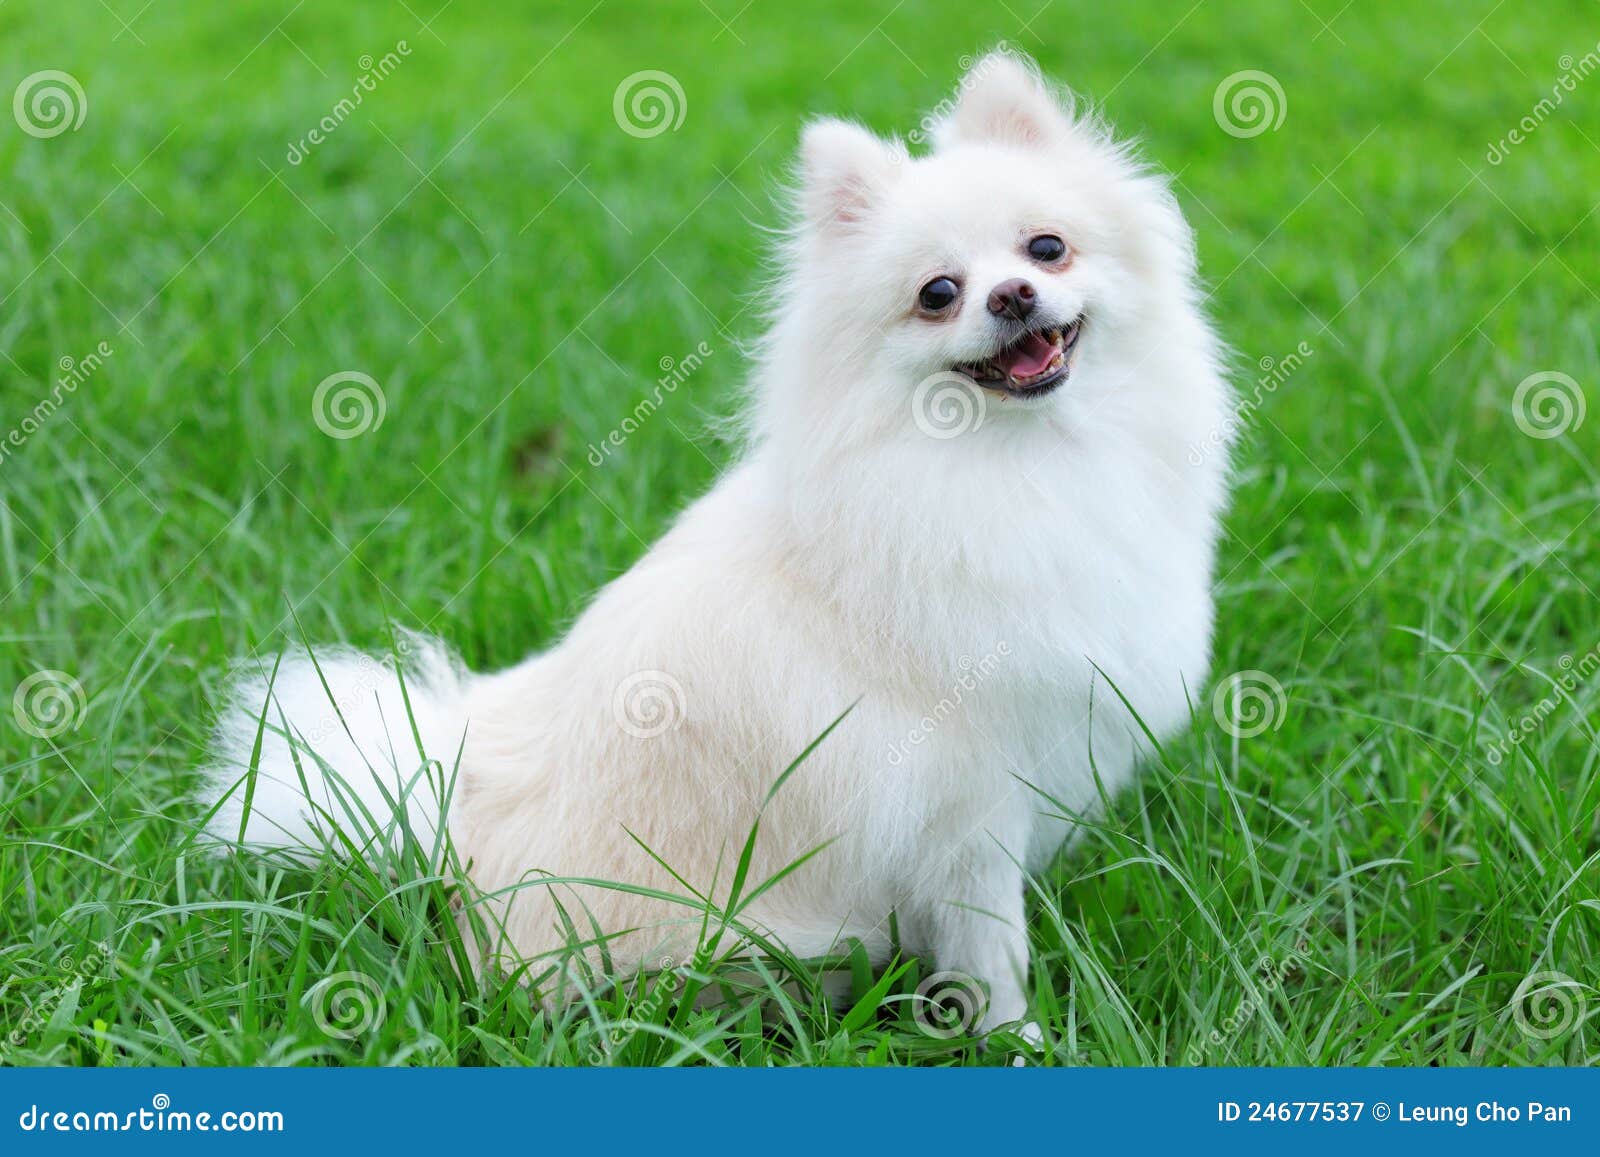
(938, 295)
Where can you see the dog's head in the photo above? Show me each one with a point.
(1025, 255)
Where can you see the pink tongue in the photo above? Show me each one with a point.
(1032, 356)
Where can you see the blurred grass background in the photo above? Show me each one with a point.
(482, 239)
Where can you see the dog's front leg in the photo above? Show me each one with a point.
(978, 930)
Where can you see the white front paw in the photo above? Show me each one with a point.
(1033, 1037)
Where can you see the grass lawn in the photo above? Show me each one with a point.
(1369, 872)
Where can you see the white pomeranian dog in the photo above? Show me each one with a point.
(967, 506)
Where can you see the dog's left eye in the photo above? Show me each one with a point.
(938, 295)
(1047, 248)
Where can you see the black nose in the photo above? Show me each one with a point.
(1013, 299)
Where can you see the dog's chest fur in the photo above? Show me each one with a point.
(1005, 625)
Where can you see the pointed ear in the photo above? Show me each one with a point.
(1003, 99)
(844, 171)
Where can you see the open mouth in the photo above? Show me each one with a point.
(1032, 365)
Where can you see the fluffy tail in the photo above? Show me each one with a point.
(353, 750)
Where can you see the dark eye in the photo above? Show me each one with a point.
(1047, 248)
(938, 295)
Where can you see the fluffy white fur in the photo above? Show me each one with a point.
(978, 594)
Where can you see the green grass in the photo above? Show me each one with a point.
(1360, 883)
